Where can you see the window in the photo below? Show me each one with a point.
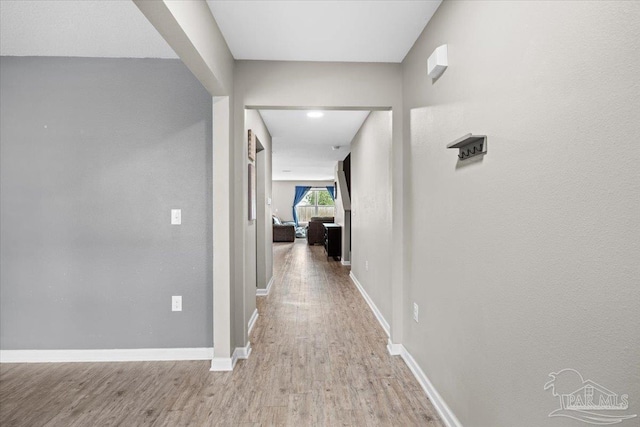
(317, 202)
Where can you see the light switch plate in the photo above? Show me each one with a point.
(176, 216)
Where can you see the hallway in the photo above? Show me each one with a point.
(316, 321)
(319, 358)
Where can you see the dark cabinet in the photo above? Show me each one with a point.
(333, 240)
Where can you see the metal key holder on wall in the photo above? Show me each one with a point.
(470, 146)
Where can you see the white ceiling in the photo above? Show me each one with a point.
(301, 30)
(112, 29)
(303, 145)
(308, 30)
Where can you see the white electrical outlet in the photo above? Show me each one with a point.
(416, 312)
(176, 303)
(176, 216)
(366, 265)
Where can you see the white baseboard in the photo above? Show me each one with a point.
(372, 305)
(105, 355)
(228, 363)
(242, 352)
(265, 292)
(343, 262)
(252, 321)
(394, 349)
(446, 414)
(221, 364)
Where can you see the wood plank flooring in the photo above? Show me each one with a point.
(319, 358)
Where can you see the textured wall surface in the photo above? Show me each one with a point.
(94, 155)
(371, 226)
(525, 262)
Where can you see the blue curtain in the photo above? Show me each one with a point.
(297, 198)
(331, 189)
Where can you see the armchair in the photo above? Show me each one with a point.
(283, 232)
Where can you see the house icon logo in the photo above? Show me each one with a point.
(585, 400)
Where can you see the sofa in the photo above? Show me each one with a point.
(283, 232)
(315, 229)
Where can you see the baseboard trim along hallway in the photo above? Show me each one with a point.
(446, 414)
(252, 321)
(372, 305)
(106, 355)
(219, 364)
(241, 353)
(264, 292)
(394, 349)
(222, 364)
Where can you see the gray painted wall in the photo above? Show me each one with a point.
(371, 226)
(263, 224)
(258, 265)
(94, 154)
(525, 262)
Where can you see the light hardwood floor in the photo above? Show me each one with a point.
(319, 358)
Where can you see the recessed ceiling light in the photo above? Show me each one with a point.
(286, 170)
(335, 147)
(315, 114)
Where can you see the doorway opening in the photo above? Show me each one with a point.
(310, 181)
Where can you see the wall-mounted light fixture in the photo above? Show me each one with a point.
(437, 62)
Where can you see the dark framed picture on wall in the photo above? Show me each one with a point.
(252, 145)
(252, 192)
